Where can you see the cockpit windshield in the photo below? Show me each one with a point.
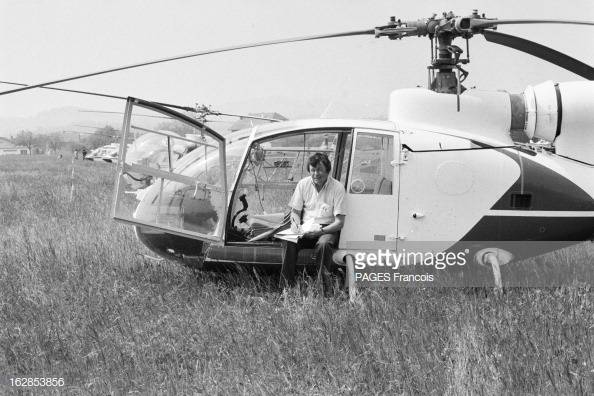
(200, 162)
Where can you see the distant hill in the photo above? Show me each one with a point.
(59, 119)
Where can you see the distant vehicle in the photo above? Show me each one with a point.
(108, 153)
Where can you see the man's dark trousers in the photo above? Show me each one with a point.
(323, 249)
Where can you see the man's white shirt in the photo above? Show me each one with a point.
(322, 206)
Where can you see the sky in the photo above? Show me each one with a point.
(344, 77)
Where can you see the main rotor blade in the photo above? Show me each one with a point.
(99, 94)
(478, 23)
(213, 51)
(542, 52)
(92, 133)
(247, 116)
(68, 90)
(135, 115)
(190, 109)
(119, 112)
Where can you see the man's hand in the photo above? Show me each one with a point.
(294, 228)
(295, 221)
(312, 234)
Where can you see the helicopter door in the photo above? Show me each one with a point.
(372, 192)
(171, 173)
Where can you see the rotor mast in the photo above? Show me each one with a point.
(445, 80)
(445, 71)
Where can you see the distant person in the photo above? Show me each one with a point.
(75, 154)
(84, 153)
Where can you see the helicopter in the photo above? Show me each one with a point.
(504, 176)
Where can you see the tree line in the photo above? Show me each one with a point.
(54, 142)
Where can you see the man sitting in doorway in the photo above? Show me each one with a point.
(318, 212)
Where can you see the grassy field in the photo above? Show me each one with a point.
(79, 301)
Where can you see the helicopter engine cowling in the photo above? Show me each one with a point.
(562, 114)
(484, 114)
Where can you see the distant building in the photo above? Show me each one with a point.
(6, 148)
(244, 123)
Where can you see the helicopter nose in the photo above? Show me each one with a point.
(188, 251)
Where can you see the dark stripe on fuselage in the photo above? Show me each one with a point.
(531, 228)
(515, 234)
(549, 190)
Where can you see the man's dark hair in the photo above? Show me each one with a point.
(315, 159)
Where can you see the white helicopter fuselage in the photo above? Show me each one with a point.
(427, 179)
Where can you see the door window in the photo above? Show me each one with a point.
(171, 173)
(372, 169)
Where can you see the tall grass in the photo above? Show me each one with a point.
(79, 300)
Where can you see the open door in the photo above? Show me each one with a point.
(372, 192)
(171, 173)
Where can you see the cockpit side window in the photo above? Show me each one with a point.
(372, 169)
